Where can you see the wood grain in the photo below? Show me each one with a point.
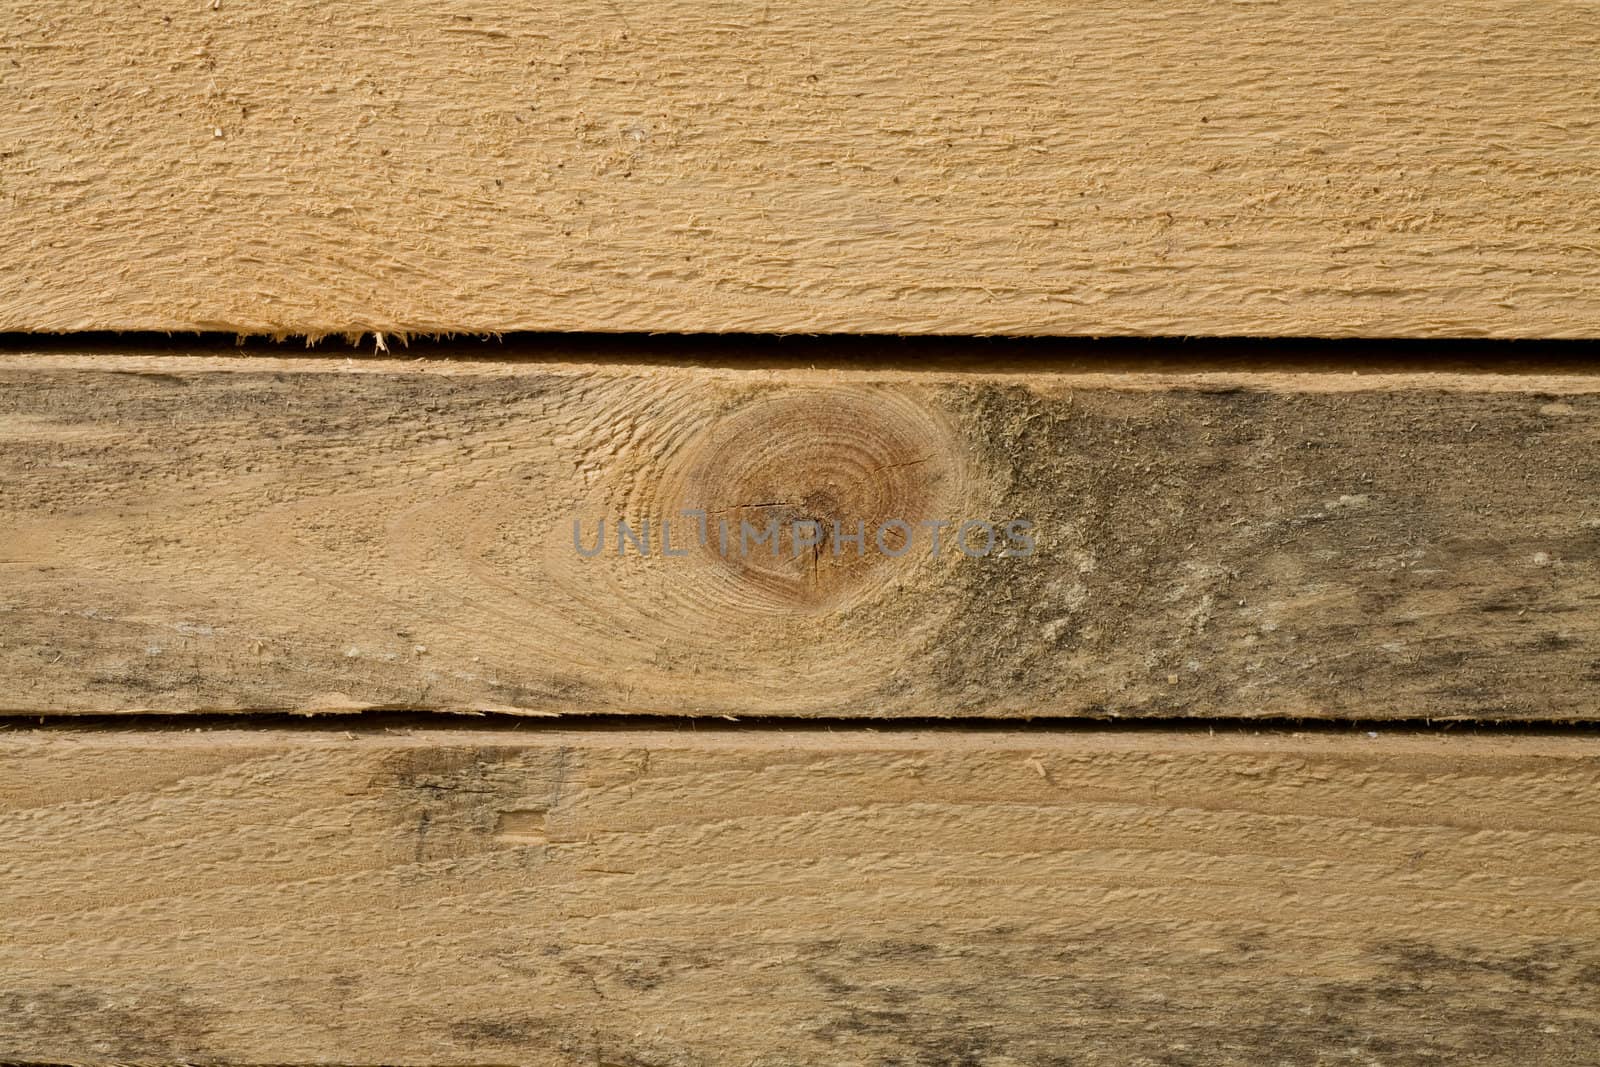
(192, 533)
(1417, 167)
(750, 896)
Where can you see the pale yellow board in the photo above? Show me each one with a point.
(802, 897)
(1418, 167)
(189, 533)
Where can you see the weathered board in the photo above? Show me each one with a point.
(1418, 167)
(185, 533)
(760, 897)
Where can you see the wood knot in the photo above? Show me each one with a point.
(811, 497)
(801, 499)
(771, 535)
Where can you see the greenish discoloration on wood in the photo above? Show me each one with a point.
(246, 535)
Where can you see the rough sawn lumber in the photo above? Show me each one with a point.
(1416, 168)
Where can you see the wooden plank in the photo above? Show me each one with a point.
(187, 533)
(1423, 167)
(807, 896)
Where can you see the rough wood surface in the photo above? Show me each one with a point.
(184, 533)
(1419, 167)
(801, 897)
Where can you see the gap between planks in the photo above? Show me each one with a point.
(423, 726)
(1148, 363)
